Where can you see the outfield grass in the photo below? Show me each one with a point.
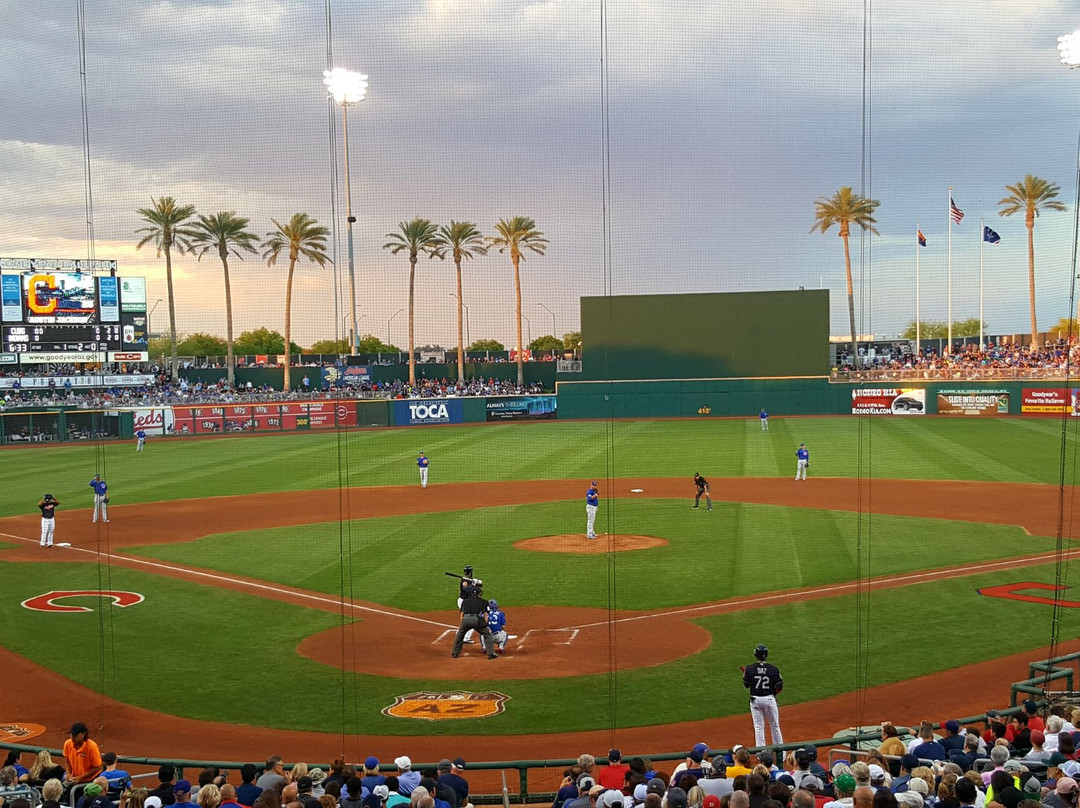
(702, 562)
(223, 657)
(1005, 449)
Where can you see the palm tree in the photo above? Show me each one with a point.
(227, 233)
(515, 235)
(463, 240)
(846, 208)
(417, 236)
(305, 237)
(165, 226)
(1031, 195)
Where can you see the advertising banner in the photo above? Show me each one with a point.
(264, 417)
(345, 375)
(425, 411)
(38, 382)
(888, 401)
(133, 294)
(154, 422)
(68, 357)
(971, 402)
(135, 336)
(521, 408)
(10, 299)
(1044, 401)
(108, 300)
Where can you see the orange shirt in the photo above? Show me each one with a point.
(82, 761)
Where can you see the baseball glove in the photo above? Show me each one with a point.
(106, 500)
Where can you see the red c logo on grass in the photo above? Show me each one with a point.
(1012, 592)
(47, 602)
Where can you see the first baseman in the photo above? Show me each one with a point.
(803, 454)
(764, 416)
(101, 498)
(592, 502)
(422, 464)
(764, 682)
(48, 506)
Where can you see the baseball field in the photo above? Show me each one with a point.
(296, 583)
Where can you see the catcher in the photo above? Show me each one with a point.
(101, 498)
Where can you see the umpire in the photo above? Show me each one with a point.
(474, 616)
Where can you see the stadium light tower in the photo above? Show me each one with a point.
(347, 88)
(1069, 47)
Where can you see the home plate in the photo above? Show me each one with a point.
(637, 490)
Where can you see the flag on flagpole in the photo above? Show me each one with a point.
(922, 239)
(954, 212)
(989, 236)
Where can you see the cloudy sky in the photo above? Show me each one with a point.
(725, 121)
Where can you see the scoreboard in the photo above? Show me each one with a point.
(31, 339)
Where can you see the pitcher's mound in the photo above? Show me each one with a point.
(577, 543)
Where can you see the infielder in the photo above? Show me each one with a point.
(592, 503)
(48, 506)
(764, 681)
(422, 464)
(101, 498)
(141, 435)
(803, 454)
(764, 416)
(702, 491)
(496, 620)
(466, 586)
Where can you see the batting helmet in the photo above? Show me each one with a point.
(761, 652)
(47, 497)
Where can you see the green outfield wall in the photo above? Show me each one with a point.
(705, 336)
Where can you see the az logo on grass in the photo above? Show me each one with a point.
(433, 706)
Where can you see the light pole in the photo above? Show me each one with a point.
(347, 88)
(395, 314)
(149, 317)
(549, 311)
(528, 332)
(354, 336)
(468, 337)
(1069, 46)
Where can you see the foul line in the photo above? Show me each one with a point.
(296, 593)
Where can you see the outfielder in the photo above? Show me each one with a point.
(764, 416)
(803, 454)
(101, 498)
(141, 435)
(592, 503)
(702, 491)
(496, 620)
(764, 681)
(48, 506)
(422, 464)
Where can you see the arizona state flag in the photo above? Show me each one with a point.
(922, 239)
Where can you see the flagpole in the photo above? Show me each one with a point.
(918, 323)
(948, 348)
(982, 241)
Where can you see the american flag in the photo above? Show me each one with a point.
(954, 212)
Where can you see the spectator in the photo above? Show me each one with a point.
(1053, 727)
(135, 798)
(354, 789)
(455, 778)
(408, 780)
(966, 792)
(755, 789)
(371, 776)
(954, 738)
(1031, 709)
(998, 756)
(1018, 734)
(164, 790)
(182, 793)
(209, 796)
(318, 777)
(229, 797)
(568, 788)
(613, 775)
(966, 759)
(393, 796)
(800, 799)
(1064, 794)
(273, 777)
(1037, 754)
(927, 747)
(741, 765)
(304, 786)
(844, 786)
(584, 784)
(247, 792)
(82, 755)
(10, 787)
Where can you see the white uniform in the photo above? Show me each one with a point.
(141, 440)
(48, 522)
(592, 504)
(422, 464)
(764, 682)
(803, 455)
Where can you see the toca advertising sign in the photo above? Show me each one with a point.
(419, 412)
(888, 401)
(970, 402)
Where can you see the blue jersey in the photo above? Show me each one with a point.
(496, 619)
(422, 461)
(140, 434)
(764, 416)
(592, 497)
(803, 453)
(99, 487)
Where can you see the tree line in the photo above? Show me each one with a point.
(1030, 196)
(171, 226)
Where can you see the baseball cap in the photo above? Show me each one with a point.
(153, 801)
(459, 762)
(992, 714)
(787, 780)
(918, 785)
(304, 783)
(317, 775)
(92, 790)
(611, 798)
(676, 798)
(952, 725)
(845, 782)
(403, 762)
(444, 765)
(641, 791)
(1013, 765)
(656, 786)
(614, 754)
(695, 756)
(371, 763)
(381, 791)
(1038, 737)
(585, 782)
(711, 801)
(593, 482)
(181, 787)
(1030, 705)
(1071, 768)
(766, 757)
(1065, 785)
(909, 761)
(812, 783)
(811, 750)
(876, 772)
(701, 747)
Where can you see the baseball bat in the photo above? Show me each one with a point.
(454, 575)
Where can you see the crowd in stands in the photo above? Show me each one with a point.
(1026, 760)
(995, 361)
(165, 392)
